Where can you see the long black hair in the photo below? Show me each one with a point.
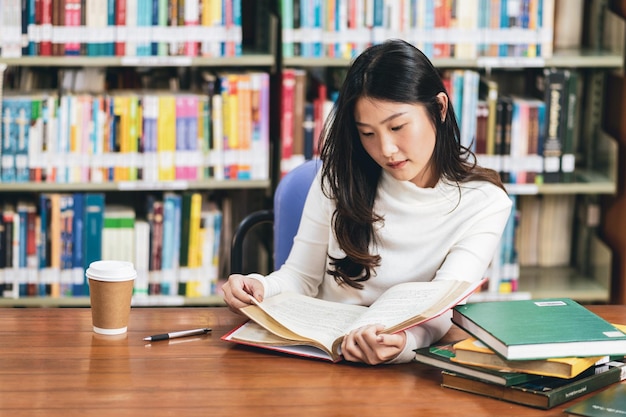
(393, 71)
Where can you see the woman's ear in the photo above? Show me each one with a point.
(443, 104)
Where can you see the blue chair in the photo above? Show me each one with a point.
(289, 201)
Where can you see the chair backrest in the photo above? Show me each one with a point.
(289, 201)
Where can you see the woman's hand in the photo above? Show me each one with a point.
(239, 291)
(368, 345)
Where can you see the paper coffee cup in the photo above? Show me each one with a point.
(110, 291)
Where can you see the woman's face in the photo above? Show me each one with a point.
(399, 137)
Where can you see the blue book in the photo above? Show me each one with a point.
(93, 224)
(154, 20)
(22, 214)
(171, 242)
(15, 128)
(67, 219)
(429, 23)
(167, 248)
(22, 127)
(237, 23)
(110, 46)
(78, 229)
(504, 24)
(28, 24)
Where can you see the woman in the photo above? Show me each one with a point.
(397, 199)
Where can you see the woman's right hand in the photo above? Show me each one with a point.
(239, 291)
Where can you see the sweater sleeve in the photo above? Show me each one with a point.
(423, 335)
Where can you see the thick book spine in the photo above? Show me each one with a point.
(556, 111)
(78, 228)
(602, 378)
(568, 159)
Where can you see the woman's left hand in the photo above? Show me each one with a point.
(368, 345)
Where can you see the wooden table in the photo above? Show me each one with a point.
(52, 364)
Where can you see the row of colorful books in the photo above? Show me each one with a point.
(540, 353)
(121, 28)
(461, 29)
(529, 138)
(131, 136)
(45, 247)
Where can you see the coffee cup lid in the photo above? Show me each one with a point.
(111, 271)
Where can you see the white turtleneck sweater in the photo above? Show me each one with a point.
(445, 232)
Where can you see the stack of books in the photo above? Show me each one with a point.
(539, 353)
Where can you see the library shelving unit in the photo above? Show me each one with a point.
(586, 280)
(258, 54)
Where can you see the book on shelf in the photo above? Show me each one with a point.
(442, 356)
(503, 271)
(118, 232)
(544, 393)
(540, 329)
(308, 326)
(546, 229)
(472, 351)
(556, 99)
(610, 402)
(155, 245)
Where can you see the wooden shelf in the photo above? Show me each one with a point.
(209, 184)
(570, 58)
(563, 282)
(248, 60)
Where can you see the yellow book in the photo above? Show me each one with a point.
(194, 261)
(121, 110)
(231, 126)
(244, 93)
(472, 351)
(55, 243)
(134, 132)
(166, 137)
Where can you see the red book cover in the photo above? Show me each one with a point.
(191, 19)
(286, 122)
(443, 15)
(156, 250)
(318, 115)
(72, 19)
(120, 21)
(45, 48)
(38, 15)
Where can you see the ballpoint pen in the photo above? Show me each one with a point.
(174, 335)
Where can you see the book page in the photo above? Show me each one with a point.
(309, 317)
(408, 301)
(251, 333)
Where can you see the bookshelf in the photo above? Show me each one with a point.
(588, 276)
(248, 45)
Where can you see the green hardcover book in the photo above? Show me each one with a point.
(609, 403)
(543, 393)
(441, 356)
(540, 329)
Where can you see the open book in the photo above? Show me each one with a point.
(308, 326)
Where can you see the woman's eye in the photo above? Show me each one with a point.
(366, 133)
(396, 128)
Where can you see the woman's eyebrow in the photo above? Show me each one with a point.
(393, 116)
